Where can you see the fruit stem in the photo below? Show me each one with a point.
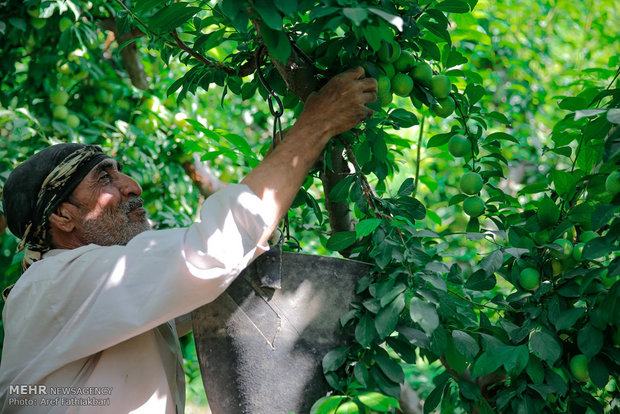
(417, 162)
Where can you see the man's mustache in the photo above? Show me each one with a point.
(133, 204)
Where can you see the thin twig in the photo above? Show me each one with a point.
(419, 152)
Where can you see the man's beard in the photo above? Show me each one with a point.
(114, 227)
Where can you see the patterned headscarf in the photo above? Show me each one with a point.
(34, 190)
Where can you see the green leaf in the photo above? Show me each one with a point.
(146, 5)
(270, 16)
(453, 6)
(387, 317)
(365, 331)
(438, 140)
(465, 344)
(601, 216)
(288, 7)
(598, 247)
(396, 21)
(377, 401)
(535, 370)
(341, 240)
(357, 15)
(493, 262)
(375, 33)
(590, 340)
(335, 358)
(404, 118)
(389, 367)
(563, 181)
(348, 407)
(568, 318)
(340, 192)
(516, 360)
(599, 373)
(474, 93)
(545, 346)
(480, 280)
(326, 405)
(366, 226)
(434, 398)
(407, 187)
(171, 17)
(424, 314)
(239, 142)
(277, 42)
(573, 103)
(487, 362)
(501, 136)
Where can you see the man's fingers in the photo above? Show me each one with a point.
(368, 85)
(370, 96)
(355, 73)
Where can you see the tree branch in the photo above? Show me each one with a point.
(202, 176)
(300, 78)
(129, 53)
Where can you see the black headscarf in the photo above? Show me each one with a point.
(35, 188)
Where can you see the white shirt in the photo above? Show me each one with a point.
(96, 318)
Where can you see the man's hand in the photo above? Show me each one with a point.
(341, 104)
(337, 107)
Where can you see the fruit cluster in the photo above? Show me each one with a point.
(399, 73)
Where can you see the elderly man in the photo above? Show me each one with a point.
(89, 326)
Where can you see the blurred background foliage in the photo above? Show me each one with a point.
(530, 55)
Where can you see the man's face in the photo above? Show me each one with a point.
(110, 207)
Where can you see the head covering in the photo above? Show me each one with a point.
(35, 188)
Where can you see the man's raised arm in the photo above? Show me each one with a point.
(338, 106)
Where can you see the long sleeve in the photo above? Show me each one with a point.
(76, 303)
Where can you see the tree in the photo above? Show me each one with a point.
(447, 288)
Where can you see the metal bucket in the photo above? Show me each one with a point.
(260, 346)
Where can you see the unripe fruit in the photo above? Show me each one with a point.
(473, 206)
(422, 72)
(612, 183)
(385, 99)
(389, 52)
(387, 69)
(577, 251)
(60, 112)
(541, 237)
(444, 107)
(64, 69)
(440, 86)
(73, 121)
(59, 97)
(64, 24)
(566, 249)
(384, 95)
(556, 267)
(405, 61)
(579, 367)
(103, 96)
(402, 84)
(459, 146)
(471, 183)
(529, 278)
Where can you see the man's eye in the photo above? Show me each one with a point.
(105, 177)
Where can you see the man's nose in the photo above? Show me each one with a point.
(129, 186)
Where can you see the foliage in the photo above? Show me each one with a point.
(445, 288)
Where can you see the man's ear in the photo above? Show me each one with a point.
(64, 217)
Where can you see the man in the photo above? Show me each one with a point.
(89, 325)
